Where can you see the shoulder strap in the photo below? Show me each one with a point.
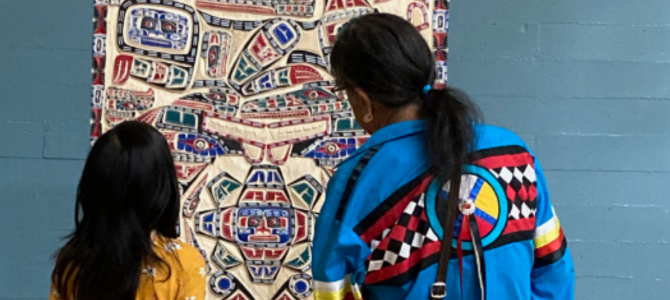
(439, 288)
(358, 170)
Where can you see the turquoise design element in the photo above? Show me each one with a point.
(224, 259)
(284, 77)
(180, 118)
(222, 190)
(302, 261)
(244, 70)
(347, 124)
(306, 192)
(431, 196)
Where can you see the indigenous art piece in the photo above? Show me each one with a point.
(242, 93)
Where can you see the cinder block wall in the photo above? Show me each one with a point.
(585, 82)
(45, 95)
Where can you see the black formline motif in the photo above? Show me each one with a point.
(188, 58)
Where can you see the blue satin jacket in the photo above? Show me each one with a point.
(378, 235)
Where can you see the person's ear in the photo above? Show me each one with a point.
(365, 103)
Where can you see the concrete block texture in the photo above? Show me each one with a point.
(584, 82)
(45, 77)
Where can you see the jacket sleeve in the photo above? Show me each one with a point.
(553, 275)
(339, 253)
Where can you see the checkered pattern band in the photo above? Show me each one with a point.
(519, 183)
(408, 235)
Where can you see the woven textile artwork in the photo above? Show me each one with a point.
(242, 93)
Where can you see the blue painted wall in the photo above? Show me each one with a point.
(584, 82)
(45, 95)
(587, 84)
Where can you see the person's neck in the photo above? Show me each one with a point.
(410, 112)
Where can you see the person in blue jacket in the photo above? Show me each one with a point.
(387, 213)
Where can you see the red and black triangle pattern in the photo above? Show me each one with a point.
(404, 246)
(514, 168)
(399, 235)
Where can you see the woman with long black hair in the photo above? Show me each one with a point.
(125, 245)
(389, 207)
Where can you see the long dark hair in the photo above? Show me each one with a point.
(128, 190)
(388, 59)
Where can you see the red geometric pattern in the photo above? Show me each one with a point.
(384, 217)
(404, 245)
(286, 59)
(514, 167)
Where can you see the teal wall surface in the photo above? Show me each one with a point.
(585, 82)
